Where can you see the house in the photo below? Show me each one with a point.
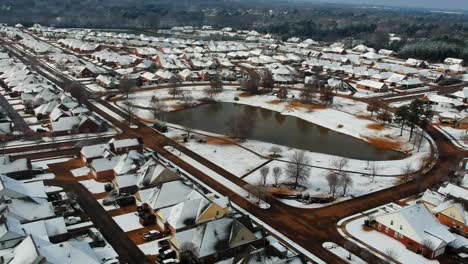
(24, 201)
(90, 153)
(417, 229)
(103, 168)
(129, 163)
(19, 169)
(440, 103)
(386, 52)
(451, 61)
(226, 236)
(451, 210)
(163, 196)
(188, 75)
(11, 232)
(462, 95)
(192, 212)
(37, 250)
(107, 81)
(149, 78)
(153, 173)
(122, 146)
(416, 63)
(372, 85)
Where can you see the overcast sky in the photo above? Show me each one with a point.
(435, 4)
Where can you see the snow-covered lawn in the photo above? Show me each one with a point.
(215, 176)
(455, 135)
(128, 222)
(317, 185)
(385, 243)
(234, 159)
(93, 186)
(342, 253)
(84, 171)
(150, 248)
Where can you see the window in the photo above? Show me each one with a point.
(379, 226)
(401, 227)
(386, 229)
(396, 234)
(391, 222)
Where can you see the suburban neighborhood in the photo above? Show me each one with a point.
(218, 144)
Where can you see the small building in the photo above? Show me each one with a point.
(103, 168)
(122, 146)
(372, 85)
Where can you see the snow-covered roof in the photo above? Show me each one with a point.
(168, 194)
(417, 223)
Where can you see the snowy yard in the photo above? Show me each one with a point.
(385, 243)
(150, 248)
(342, 253)
(455, 135)
(128, 222)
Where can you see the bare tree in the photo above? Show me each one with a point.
(3, 144)
(252, 85)
(326, 95)
(407, 172)
(339, 164)
(175, 91)
(428, 244)
(298, 169)
(277, 172)
(257, 191)
(126, 86)
(275, 151)
(268, 82)
(418, 139)
(210, 92)
(384, 116)
(464, 137)
(373, 106)
(264, 171)
(188, 252)
(76, 91)
(129, 107)
(333, 181)
(308, 94)
(345, 182)
(373, 171)
(158, 107)
(186, 97)
(391, 253)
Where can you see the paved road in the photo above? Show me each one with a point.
(307, 227)
(127, 250)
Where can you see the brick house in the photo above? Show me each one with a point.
(416, 228)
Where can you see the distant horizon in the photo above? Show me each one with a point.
(452, 5)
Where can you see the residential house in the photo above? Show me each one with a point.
(226, 236)
(19, 169)
(191, 213)
(122, 146)
(372, 85)
(153, 173)
(417, 229)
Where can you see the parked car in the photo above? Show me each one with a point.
(108, 201)
(71, 220)
(161, 127)
(151, 235)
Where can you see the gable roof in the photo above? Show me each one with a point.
(417, 223)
